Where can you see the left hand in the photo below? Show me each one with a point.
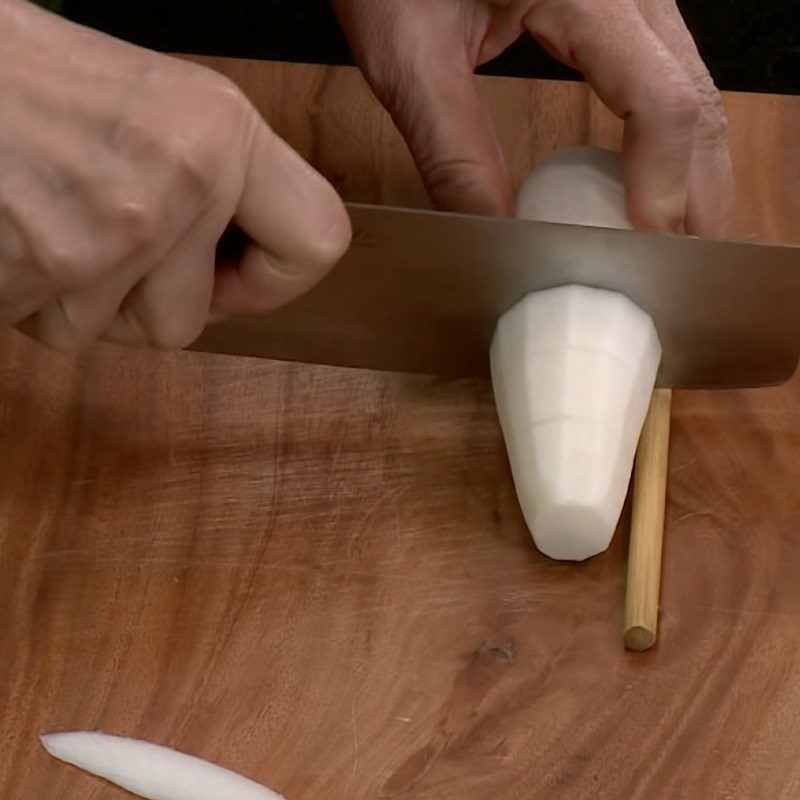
(420, 56)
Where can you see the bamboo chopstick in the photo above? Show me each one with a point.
(647, 525)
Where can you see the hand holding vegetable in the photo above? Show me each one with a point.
(419, 56)
(119, 171)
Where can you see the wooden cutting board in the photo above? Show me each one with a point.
(321, 577)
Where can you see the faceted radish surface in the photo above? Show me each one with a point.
(573, 369)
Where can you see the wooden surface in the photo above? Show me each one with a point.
(321, 577)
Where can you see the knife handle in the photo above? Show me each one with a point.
(647, 525)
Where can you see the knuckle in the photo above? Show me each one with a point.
(142, 227)
(195, 143)
(713, 123)
(67, 264)
(220, 87)
(227, 102)
(564, 27)
(13, 245)
(198, 159)
(467, 184)
(175, 332)
(188, 171)
(680, 105)
(45, 327)
(712, 119)
(60, 343)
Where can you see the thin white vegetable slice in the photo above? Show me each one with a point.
(573, 369)
(152, 771)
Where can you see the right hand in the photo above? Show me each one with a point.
(120, 169)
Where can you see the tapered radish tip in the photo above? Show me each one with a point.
(57, 744)
(49, 741)
(572, 533)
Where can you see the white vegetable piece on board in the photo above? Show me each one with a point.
(152, 771)
(573, 369)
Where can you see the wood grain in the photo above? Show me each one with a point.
(321, 577)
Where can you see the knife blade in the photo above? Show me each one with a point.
(421, 291)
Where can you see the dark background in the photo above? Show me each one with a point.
(748, 45)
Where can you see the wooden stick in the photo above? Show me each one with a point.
(647, 525)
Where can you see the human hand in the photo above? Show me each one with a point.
(119, 171)
(420, 55)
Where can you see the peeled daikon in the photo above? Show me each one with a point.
(150, 770)
(573, 369)
(578, 186)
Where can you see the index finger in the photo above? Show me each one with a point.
(641, 82)
(710, 204)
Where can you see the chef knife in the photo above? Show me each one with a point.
(421, 291)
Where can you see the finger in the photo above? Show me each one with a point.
(169, 307)
(21, 304)
(298, 226)
(22, 288)
(25, 286)
(420, 68)
(71, 318)
(251, 284)
(74, 319)
(447, 127)
(450, 135)
(710, 201)
(640, 81)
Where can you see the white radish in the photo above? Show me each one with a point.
(578, 186)
(152, 771)
(573, 369)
